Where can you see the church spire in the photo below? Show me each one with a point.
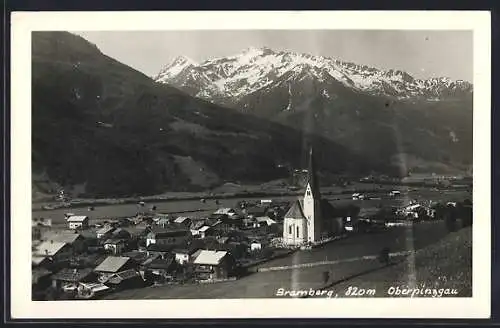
(312, 179)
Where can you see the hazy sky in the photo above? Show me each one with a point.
(423, 54)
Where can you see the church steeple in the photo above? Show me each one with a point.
(312, 180)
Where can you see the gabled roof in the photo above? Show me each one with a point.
(210, 257)
(48, 248)
(181, 219)
(105, 230)
(72, 275)
(168, 234)
(114, 241)
(295, 211)
(204, 228)
(225, 210)
(112, 264)
(77, 218)
(68, 237)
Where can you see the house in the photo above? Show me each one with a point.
(160, 270)
(263, 221)
(183, 256)
(41, 222)
(53, 250)
(161, 250)
(162, 221)
(358, 196)
(68, 279)
(121, 233)
(394, 193)
(129, 278)
(183, 220)
(205, 231)
(213, 265)
(78, 222)
(104, 232)
(90, 290)
(75, 240)
(225, 211)
(113, 264)
(255, 211)
(115, 246)
(255, 246)
(168, 237)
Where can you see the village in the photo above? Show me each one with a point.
(86, 261)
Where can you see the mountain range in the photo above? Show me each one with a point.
(103, 129)
(419, 125)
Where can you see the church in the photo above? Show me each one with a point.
(311, 218)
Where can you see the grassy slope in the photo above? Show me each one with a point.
(446, 264)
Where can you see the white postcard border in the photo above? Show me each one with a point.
(24, 22)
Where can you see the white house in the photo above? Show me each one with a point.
(227, 211)
(78, 221)
(395, 193)
(183, 220)
(358, 196)
(204, 231)
(104, 232)
(255, 246)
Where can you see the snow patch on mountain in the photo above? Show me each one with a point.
(255, 69)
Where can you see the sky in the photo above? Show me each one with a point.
(422, 54)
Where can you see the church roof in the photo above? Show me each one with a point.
(295, 211)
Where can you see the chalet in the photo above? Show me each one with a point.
(78, 222)
(162, 221)
(41, 222)
(114, 246)
(195, 226)
(160, 250)
(104, 232)
(183, 220)
(53, 250)
(160, 270)
(168, 237)
(121, 233)
(90, 290)
(68, 279)
(256, 246)
(225, 211)
(263, 221)
(213, 265)
(75, 240)
(205, 231)
(113, 264)
(124, 279)
(255, 211)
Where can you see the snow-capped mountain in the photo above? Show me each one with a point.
(227, 80)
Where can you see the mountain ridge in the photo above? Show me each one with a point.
(226, 75)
